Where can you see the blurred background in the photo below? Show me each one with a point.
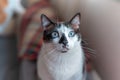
(100, 27)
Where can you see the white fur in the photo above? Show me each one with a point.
(54, 65)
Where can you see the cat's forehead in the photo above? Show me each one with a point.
(62, 26)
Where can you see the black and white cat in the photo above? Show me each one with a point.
(61, 56)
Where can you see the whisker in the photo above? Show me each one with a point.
(90, 54)
(84, 42)
(89, 51)
(49, 52)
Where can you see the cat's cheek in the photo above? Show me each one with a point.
(59, 47)
(56, 40)
(73, 43)
(70, 45)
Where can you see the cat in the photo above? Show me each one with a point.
(61, 56)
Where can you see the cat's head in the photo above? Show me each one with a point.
(63, 35)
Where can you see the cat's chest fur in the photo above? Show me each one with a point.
(53, 65)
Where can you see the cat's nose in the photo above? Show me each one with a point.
(63, 40)
(65, 43)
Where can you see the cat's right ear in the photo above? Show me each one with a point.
(45, 21)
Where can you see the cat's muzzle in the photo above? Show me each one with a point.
(65, 49)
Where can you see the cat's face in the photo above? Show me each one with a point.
(63, 35)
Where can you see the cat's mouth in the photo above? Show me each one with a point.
(64, 50)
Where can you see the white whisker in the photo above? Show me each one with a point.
(49, 52)
(91, 51)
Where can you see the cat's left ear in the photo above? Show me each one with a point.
(75, 21)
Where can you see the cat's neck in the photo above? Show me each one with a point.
(63, 65)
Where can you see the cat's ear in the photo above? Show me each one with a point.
(45, 21)
(75, 21)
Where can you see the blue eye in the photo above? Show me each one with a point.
(71, 34)
(55, 34)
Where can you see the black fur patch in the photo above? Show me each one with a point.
(47, 36)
